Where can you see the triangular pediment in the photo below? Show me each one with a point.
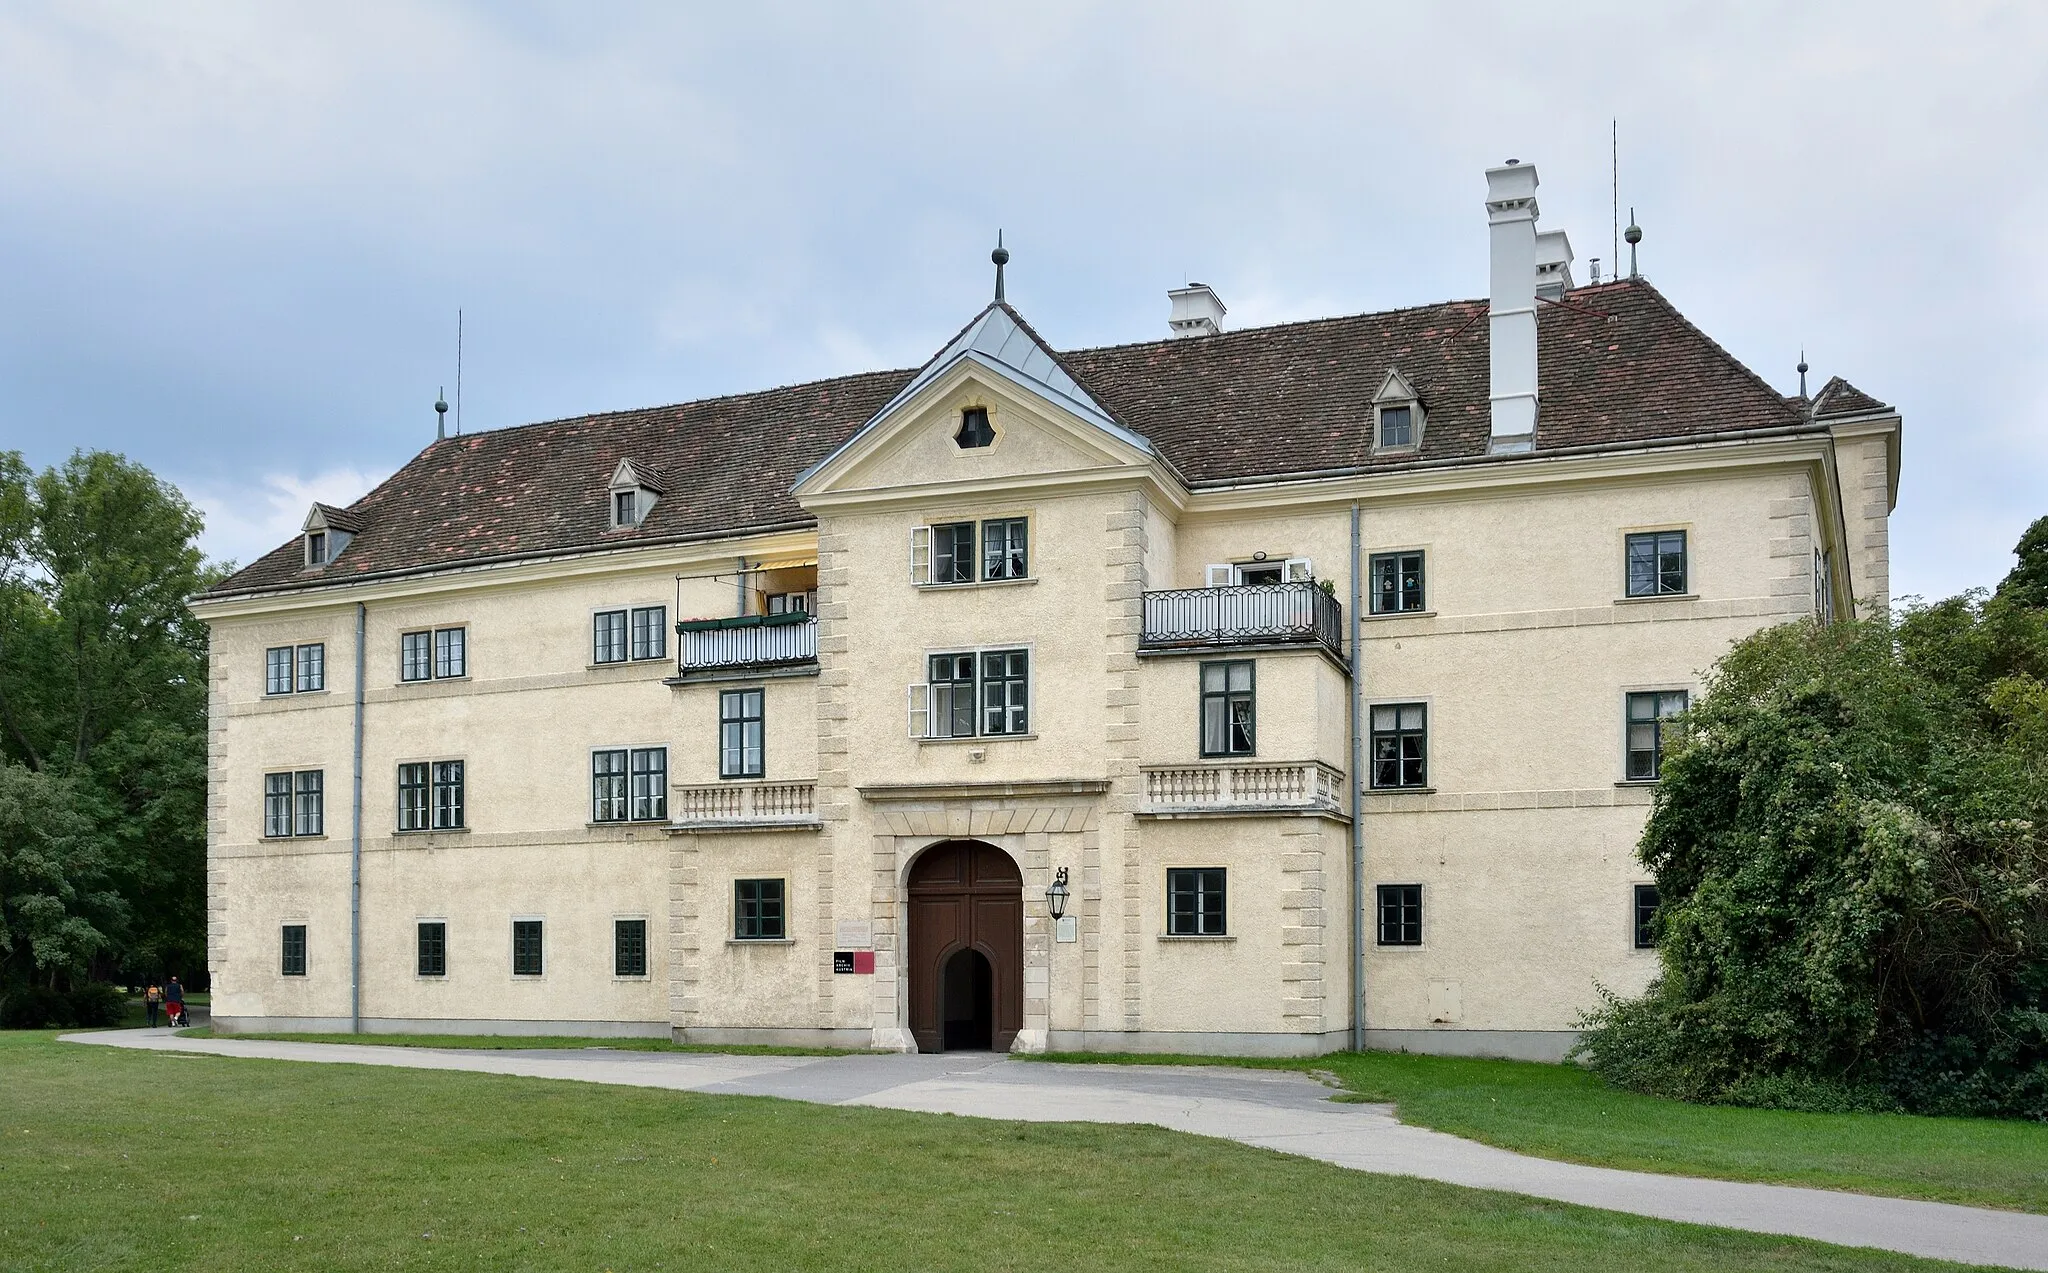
(1395, 388)
(628, 474)
(328, 517)
(1044, 420)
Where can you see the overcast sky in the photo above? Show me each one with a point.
(234, 237)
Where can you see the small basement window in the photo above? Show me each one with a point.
(975, 430)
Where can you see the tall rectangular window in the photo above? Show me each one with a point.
(1400, 914)
(1005, 692)
(312, 668)
(625, 508)
(953, 553)
(416, 656)
(650, 632)
(447, 795)
(1397, 427)
(757, 910)
(649, 771)
(1400, 745)
(1396, 583)
(1227, 708)
(629, 948)
(740, 734)
(1194, 902)
(433, 948)
(1004, 553)
(527, 960)
(952, 696)
(608, 785)
(294, 960)
(277, 805)
(1656, 564)
(1646, 899)
(608, 636)
(277, 670)
(412, 797)
(309, 815)
(1647, 714)
(450, 653)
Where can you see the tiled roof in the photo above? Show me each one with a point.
(1839, 398)
(339, 518)
(1619, 367)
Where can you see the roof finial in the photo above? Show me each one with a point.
(441, 414)
(1632, 236)
(1802, 371)
(1001, 256)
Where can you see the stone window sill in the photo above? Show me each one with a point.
(431, 831)
(288, 695)
(431, 680)
(1662, 596)
(287, 839)
(760, 941)
(1198, 937)
(615, 823)
(976, 583)
(659, 660)
(1372, 616)
(1400, 791)
(973, 740)
(1639, 782)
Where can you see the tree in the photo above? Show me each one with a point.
(1851, 845)
(102, 720)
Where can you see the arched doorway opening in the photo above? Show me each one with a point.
(966, 947)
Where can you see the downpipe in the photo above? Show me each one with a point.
(1357, 784)
(355, 845)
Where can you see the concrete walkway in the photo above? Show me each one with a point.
(1279, 1110)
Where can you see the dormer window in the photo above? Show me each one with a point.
(975, 430)
(326, 533)
(1397, 416)
(634, 490)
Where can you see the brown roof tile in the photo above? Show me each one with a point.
(1619, 366)
(1839, 398)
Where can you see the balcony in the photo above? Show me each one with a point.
(744, 806)
(1250, 614)
(1224, 789)
(755, 641)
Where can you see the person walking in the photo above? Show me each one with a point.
(174, 1000)
(152, 1001)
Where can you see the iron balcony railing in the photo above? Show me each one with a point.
(1249, 614)
(762, 640)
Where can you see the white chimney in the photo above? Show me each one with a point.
(1197, 310)
(1553, 265)
(1511, 305)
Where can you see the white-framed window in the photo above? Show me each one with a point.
(991, 550)
(1260, 571)
(629, 784)
(805, 602)
(973, 694)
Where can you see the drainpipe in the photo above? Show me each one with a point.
(1357, 801)
(355, 848)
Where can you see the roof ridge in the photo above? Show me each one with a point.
(1269, 327)
(843, 378)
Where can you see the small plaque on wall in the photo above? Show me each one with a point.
(1065, 928)
(853, 961)
(854, 934)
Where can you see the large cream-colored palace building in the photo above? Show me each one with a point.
(1317, 674)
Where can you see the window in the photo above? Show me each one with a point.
(412, 797)
(277, 670)
(629, 784)
(316, 548)
(1400, 745)
(1647, 898)
(1400, 914)
(1194, 902)
(447, 794)
(650, 632)
(974, 429)
(294, 958)
(449, 658)
(1227, 708)
(294, 803)
(433, 948)
(629, 948)
(739, 734)
(953, 553)
(608, 636)
(432, 655)
(757, 910)
(1396, 583)
(1397, 427)
(998, 682)
(526, 948)
(1823, 586)
(312, 668)
(793, 602)
(1646, 731)
(1003, 554)
(1656, 564)
(625, 508)
(1259, 575)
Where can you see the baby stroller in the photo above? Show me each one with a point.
(174, 1014)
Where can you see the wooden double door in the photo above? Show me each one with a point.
(966, 948)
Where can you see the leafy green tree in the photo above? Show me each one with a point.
(102, 721)
(1851, 845)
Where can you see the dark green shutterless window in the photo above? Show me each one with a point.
(293, 963)
(1400, 908)
(629, 948)
(758, 913)
(432, 948)
(1195, 902)
(1229, 708)
(527, 954)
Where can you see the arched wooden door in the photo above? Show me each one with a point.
(965, 895)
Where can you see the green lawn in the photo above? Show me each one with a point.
(113, 1159)
(1562, 1111)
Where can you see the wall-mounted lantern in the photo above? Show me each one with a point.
(1056, 895)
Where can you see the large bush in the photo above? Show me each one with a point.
(1851, 843)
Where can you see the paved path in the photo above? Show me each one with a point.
(1275, 1109)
